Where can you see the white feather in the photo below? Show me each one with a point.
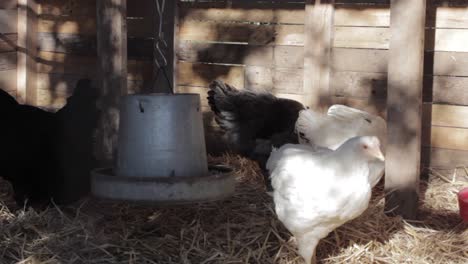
(317, 191)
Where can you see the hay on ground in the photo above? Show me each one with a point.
(242, 229)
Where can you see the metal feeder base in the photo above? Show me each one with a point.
(218, 185)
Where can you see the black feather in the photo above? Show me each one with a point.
(48, 155)
(249, 118)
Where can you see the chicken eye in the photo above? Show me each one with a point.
(368, 120)
(365, 147)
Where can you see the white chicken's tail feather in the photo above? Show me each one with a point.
(307, 123)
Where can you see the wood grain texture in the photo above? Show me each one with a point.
(265, 15)
(199, 74)
(444, 89)
(8, 4)
(317, 48)
(404, 99)
(441, 39)
(8, 61)
(444, 158)
(8, 80)
(446, 137)
(8, 21)
(8, 42)
(242, 33)
(112, 73)
(27, 51)
(359, 84)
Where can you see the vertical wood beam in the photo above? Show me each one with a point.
(318, 31)
(404, 102)
(175, 46)
(112, 73)
(27, 52)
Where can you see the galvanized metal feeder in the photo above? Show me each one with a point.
(161, 154)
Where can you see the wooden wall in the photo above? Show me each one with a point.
(8, 41)
(260, 45)
(67, 46)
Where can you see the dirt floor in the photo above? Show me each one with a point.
(241, 229)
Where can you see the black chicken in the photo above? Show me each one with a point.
(253, 122)
(48, 155)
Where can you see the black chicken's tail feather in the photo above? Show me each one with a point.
(234, 113)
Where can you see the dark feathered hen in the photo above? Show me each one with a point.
(253, 122)
(48, 155)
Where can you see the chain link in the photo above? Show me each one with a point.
(159, 45)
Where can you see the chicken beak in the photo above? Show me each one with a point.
(378, 154)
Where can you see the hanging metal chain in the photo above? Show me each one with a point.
(159, 45)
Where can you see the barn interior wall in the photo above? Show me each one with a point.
(8, 42)
(259, 45)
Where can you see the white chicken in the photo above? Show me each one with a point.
(316, 191)
(338, 125)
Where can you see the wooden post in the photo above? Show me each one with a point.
(404, 102)
(112, 69)
(317, 48)
(27, 52)
(175, 45)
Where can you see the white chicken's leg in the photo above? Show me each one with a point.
(306, 244)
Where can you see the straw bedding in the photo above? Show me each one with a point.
(242, 229)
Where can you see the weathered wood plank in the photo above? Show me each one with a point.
(112, 73)
(448, 17)
(8, 21)
(8, 4)
(359, 84)
(443, 89)
(275, 80)
(446, 63)
(8, 80)
(359, 60)
(67, 8)
(242, 33)
(140, 8)
(50, 62)
(358, 15)
(361, 37)
(449, 115)
(7, 61)
(225, 53)
(289, 56)
(375, 60)
(265, 15)
(444, 158)
(8, 42)
(53, 89)
(254, 55)
(437, 89)
(378, 38)
(85, 25)
(137, 48)
(404, 99)
(27, 50)
(447, 40)
(66, 24)
(379, 16)
(198, 74)
(67, 43)
(317, 49)
(446, 137)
